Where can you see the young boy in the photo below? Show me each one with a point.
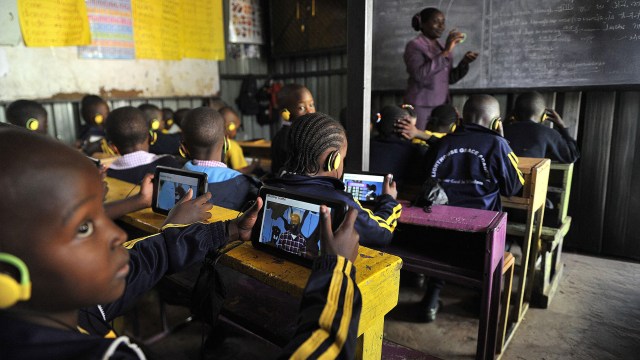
(443, 120)
(129, 135)
(29, 115)
(318, 147)
(530, 138)
(164, 143)
(235, 156)
(391, 154)
(474, 166)
(204, 141)
(294, 101)
(94, 111)
(83, 273)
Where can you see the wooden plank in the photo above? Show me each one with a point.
(623, 156)
(568, 106)
(590, 183)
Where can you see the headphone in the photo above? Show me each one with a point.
(153, 137)
(544, 116)
(170, 122)
(104, 145)
(155, 124)
(10, 290)
(32, 124)
(231, 126)
(333, 161)
(453, 126)
(98, 119)
(495, 124)
(185, 153)
(286, 115)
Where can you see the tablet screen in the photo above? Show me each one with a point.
(291, 225)
(172, 188)
(363, 187)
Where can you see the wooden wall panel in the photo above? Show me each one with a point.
(620, 236)
(588, 193)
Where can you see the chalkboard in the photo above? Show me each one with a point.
(522, 43)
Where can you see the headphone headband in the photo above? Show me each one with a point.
(10, 290)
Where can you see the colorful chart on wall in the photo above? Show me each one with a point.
(245, 22)
(54, 22)
(111, 27)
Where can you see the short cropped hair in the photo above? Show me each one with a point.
(202, 128)
(126, 127)
(20, 111)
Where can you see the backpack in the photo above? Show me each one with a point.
(431, 194)
(247, 100)
(267, 98)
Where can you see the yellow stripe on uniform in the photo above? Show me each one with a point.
(343, 331)
(514, 161)
(388, 223)
(327, 316)
(129, 244)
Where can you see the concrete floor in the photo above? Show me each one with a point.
(594, 315)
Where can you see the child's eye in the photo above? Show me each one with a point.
(85, 230)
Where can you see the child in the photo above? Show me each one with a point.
(443, 120)
(318, 147)
(204, 141)
(474, 166)
(94, 111)
(530, 138)
(129, 135)
(83, 273)
(391, 154)
(294, 101)
(168, 117)
(165, 143)
(235, 156)
(29, 115)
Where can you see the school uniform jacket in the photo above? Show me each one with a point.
(403, 159)
(328, 321)
(532, 139)
(474, 166)
(166, 144)
(229, 188)
(374, 227)
(430, 73)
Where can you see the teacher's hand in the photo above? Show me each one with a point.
(454, 38)
(469, 57)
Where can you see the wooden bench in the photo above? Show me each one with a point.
(377, 275)
(461, 245)
(556, 225)
(532, 201)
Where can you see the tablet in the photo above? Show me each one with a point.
(170, 185)
(289, 224)
(365, 187)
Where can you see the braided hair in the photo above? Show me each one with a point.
(310, 136)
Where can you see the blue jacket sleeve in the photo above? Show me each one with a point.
(167, 252)
(510, 178)
(564, 150)
(376, 227)
(329, 313)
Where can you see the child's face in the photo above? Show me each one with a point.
(303, 104)
(103, 110)
(229, 119)
(79, 259)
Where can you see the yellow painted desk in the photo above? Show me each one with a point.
(377, 275)
(257, 149)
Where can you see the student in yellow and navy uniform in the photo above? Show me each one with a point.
(318, 147)
(76, 258)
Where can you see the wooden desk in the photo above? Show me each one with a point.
(534, 194)
(377, 274)
(470, 251)
(257, 149)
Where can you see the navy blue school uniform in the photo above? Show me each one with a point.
(532, 139)
(90, 133)
(393, 155)
(166, 144)
(170, 251)
(374, 227)
(229, 188)
(134, 166)
(474, 166)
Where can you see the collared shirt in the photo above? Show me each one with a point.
(134, 159)
(209, 163)
(289, 242)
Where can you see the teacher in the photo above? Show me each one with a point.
(429, 64)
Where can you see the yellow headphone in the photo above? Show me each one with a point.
(231, 126)
(155, 124)
(544, 116)
(104, 145)
(183, 151)
(153, 137)
(33, 124)
(98, 119)
(453, 127)
(286, 115)
(170, 122)
(333, 161)
(495, 124)
(10, 290)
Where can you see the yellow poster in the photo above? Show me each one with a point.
(203, 30)
(54, 22)
(156, 29)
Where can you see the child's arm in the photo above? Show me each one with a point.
(565, 151)
(510, 178)
(463, 67)
(141, 200)
(376, 227)
(331, 304)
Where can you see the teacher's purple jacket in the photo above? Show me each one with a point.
(430, 73)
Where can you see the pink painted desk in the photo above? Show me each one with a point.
(460, 245)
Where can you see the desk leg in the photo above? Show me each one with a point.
(534, 252)
(370, 342)
(520, 303)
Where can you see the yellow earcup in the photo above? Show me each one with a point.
(286, 115)
(98, 119)
(155, 124)
(333, 161)
(231, 126)
(33, 124)
(153, 137)
(10, 290)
